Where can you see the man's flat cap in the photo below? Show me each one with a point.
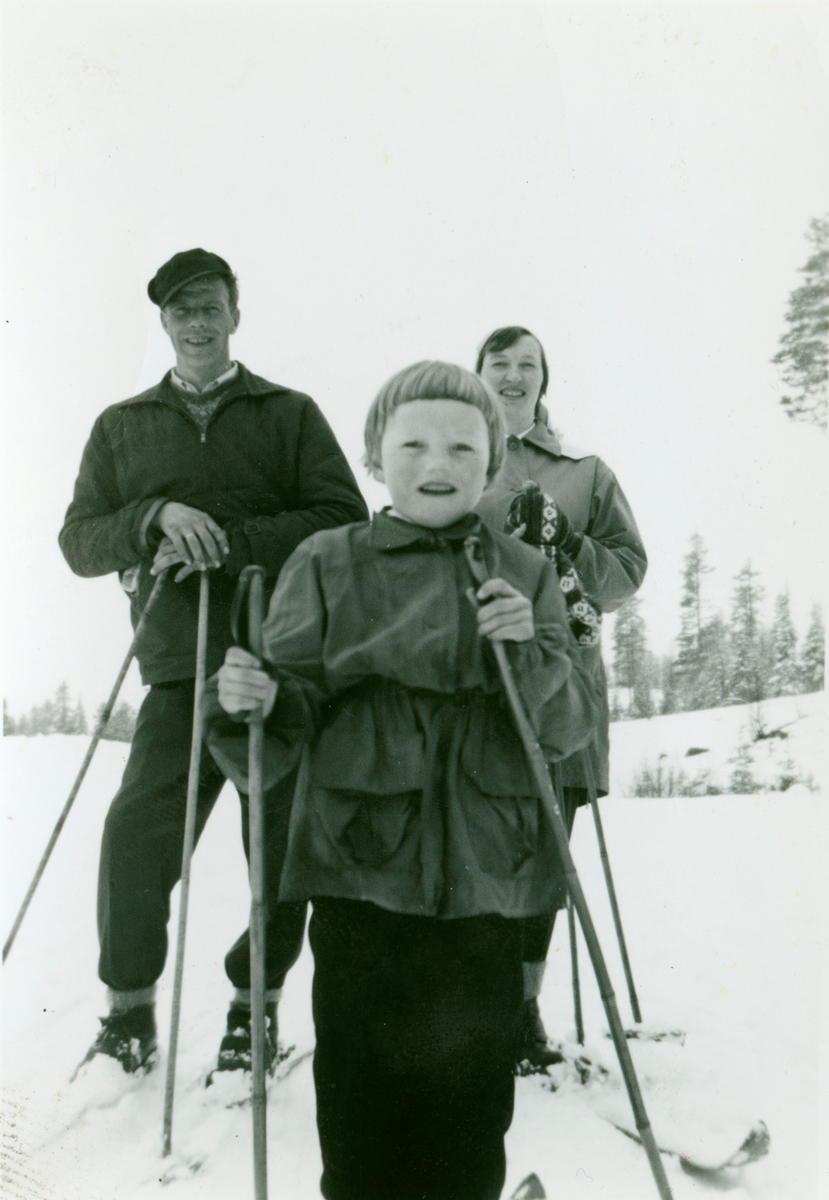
(182, 269)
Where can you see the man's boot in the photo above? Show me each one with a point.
(235, 1051)
(129, 1033)
(533, 1044)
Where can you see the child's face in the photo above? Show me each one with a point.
(433, 458)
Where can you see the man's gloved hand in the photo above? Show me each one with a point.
(544, 524)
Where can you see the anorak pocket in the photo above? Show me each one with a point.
(367, 830)
(503, 831)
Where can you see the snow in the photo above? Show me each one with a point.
(723, 898)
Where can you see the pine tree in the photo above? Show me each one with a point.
(714, 680)
(41, 718)
(121, 724)
(746, 665)
(79, 719)
(803, 354)
(631, 666)
(812, 654)
(667, 684)
(62, 722)
(689, 660)
(783, 666)
(9, 723)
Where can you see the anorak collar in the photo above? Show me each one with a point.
(541, 435)
(390, 533)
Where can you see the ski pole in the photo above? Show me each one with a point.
(255, 575)
(103, 720)
(558, 788)
(187, 854)
(538, 765)
(574, 971)
(614, 903)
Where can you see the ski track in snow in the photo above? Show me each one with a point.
(721, 899)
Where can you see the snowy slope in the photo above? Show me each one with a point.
(723, 899)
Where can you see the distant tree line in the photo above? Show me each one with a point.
(719, 661)
(63, 715)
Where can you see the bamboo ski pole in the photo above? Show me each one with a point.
(574, 971)
(256, 609)
(187, 854)
(614, 905)
(558, 788)
(538, 765)
(106, 713)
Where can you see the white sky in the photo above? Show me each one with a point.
(390, 182)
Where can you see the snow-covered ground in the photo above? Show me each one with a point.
(724, 899)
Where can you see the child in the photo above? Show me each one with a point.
(416, 829)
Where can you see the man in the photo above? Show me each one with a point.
(213, 468)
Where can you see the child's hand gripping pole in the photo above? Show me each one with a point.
(538, 765)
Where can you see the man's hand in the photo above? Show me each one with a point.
(192, 538)
(167, 556)
(243, 685)
(505, 614)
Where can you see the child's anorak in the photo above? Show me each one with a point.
(414, 793)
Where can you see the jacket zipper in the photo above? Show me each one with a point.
(202, 432)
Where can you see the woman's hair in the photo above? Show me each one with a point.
(434, 381)
(505, 337)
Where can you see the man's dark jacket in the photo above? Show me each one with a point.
(267, 469)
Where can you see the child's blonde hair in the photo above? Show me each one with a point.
(434, 381)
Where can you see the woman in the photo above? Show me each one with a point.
(589, 528)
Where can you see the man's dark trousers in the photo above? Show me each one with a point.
(142, 848)
(537, 932)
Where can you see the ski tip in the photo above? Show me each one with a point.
(530, 1188)
(755, 1145)
(652, 1033)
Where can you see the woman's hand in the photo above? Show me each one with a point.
(505, 614)
(243, 685)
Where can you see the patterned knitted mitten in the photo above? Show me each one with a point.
(550, 531)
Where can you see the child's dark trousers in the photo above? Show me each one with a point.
(416, 1023)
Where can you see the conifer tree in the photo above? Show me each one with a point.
(632, 668)
(79, 719)
(667, 683)
(9, 723)
(714, 680)
(804, 354)
(812, 654)
(121, 724)
(690, 657)
(746, 685)
(62, 721)
(41, 718)
(783, 666)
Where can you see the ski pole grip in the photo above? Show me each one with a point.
(236, 608)
(255, 584)
(251, 579)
